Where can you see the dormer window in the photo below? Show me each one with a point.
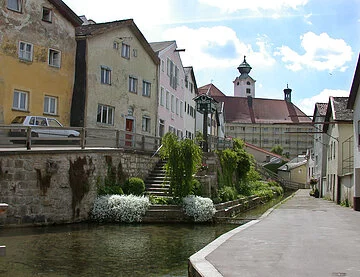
(46, 14)
(14, 5)
(248, 91)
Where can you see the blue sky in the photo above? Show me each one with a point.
(312, 45)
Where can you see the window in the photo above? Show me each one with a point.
(248, 91)
(54, 58)
(134, 52)
(181, 109)
(167, 99)
(133, 84)
(172, 103)
(50, 105)
(277, 141)
(177, 106)
(46, 14)
(162, 65)
(14, 5)
(266, 129)
(254, 129)
(105, 75)
(25, 51)
(287, 141)
(115, 45)
(265, 141)
(146, 89)
(162, 97)
(20, 100)
(248, 83)
(146, 124)
(173, 73)
(105, 114)
(125, 51)
(277, 130)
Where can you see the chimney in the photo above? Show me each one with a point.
(287, 94)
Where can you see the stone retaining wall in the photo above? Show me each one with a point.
(46, 187)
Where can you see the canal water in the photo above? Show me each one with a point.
(108, 250)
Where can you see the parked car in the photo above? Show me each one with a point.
(42, 127)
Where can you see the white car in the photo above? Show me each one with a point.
(40, 127)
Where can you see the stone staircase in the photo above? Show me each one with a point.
(156, 183)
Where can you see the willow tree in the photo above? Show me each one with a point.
(183, 158)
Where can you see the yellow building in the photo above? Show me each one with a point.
(37, 58)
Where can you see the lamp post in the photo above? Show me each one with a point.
(205, 104)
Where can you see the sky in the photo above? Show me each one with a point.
(310, 45)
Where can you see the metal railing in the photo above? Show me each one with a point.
(31, 137)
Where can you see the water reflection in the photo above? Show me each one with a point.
(104, 250)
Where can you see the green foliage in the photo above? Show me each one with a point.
(345, 203)
(227, 193)
(108, 187)
(197, 188)
(134, 186)
(228, 161)
(244, 188)
(183, 159)
(277, 149)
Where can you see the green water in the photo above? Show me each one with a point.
(104, 250)
(110, 250)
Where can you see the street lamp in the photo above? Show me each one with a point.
(205, 104)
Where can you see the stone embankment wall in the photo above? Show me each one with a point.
(46, 187)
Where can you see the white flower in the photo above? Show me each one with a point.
(202, 209)
(119, 208)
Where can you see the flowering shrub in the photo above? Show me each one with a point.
(202, 209)
(119, 208)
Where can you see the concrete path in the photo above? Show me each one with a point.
(304, 236)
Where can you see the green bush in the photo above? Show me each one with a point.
(197, 188)
(113, 189)
(134, 186)
(227, 194)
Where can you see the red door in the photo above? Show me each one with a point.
(129, 128)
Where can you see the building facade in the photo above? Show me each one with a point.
(339, 154)
(116, 84)
(171, 107)
(320, 146)
(354, 103)
(37, 57)
(190, 92)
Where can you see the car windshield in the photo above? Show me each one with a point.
(18, 120)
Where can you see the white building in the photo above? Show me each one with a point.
(354, 103)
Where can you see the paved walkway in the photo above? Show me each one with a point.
(304, 236)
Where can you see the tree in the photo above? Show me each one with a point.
(277, 149)
(183, 159)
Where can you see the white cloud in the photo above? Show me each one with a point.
(307, 105)
(321, 53)
(230, 6)
(204, 44)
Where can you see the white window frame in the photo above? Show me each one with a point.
(181, 109)
(172, 103)
(146, 124)
(125, 50)
(162, 65)
(133, 84)
(162, 97)
(167, 100)
(23, 53)
(146, 91)
(105, 75)
(20, 100)
(106, 117)
(49, 102)
(53, 61)
(47, 17)
(17, 3)
(177, 106)
(115, 45)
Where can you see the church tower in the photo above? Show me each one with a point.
(244, 85)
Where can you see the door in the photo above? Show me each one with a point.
(129, 128)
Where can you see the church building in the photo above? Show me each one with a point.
(263, 122)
